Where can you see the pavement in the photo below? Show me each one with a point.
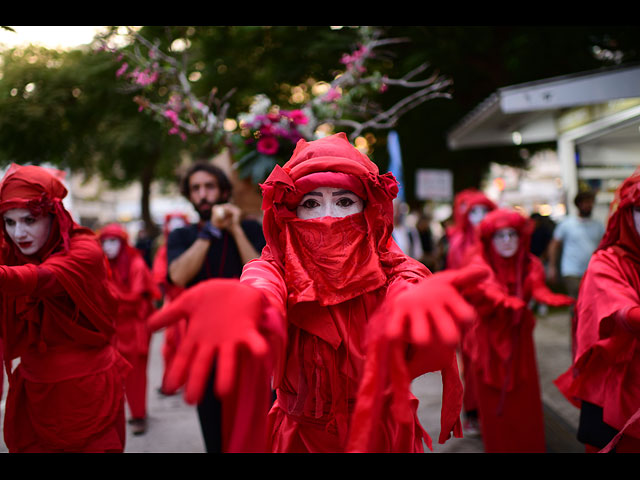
(173, 425)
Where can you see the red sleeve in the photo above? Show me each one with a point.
(18, 280)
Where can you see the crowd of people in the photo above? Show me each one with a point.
(303, 332)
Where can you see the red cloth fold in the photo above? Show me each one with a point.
(66, 321)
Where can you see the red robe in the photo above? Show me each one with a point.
(463, 238)
(66, 394)
(606, 365)
(57, 315)
(501, 342)
(136, 291)
(175, 332)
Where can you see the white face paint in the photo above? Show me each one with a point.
(111, 247)
(27, 231)
(636, 218)
(329, 202)
(505, 242)
(477, 213)
(175, 222)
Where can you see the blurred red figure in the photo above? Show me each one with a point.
(332, 314)
(605, 376)
(136, 293)
(470, 206)
(172, 333)
(58, 313)
(501, 340)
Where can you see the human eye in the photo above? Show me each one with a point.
(30, 220)
(310, 203)
(9, 222)
(345, 202)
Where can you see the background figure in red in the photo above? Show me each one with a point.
(57, 315)
(502, 347)
(172, 333)
(332, 314)
(470, 206)
(134, 283)
(604, 380)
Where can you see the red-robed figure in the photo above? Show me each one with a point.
(470, 206)
(333, 313)
(57, 316)
(604, 380)
(501, 340)
(172, 333)
(136, 292)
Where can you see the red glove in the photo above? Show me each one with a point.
(542, 294)
(223, 318)
(431, 312)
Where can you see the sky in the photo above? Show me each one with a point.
(48, 36)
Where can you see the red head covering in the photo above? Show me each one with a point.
(71, 253)
(40, 191)
(621, 232)
(462, 205)
(509, 270)
(121, 264)
(363, 239)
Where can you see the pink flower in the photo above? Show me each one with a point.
(296, 116)
(332, 95)
(122, 69)
(267, 145)
(171, 115)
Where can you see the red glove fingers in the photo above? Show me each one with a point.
(225, 378)
(223, 315)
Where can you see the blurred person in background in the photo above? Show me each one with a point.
(604, 378)
(58, 318)
(470, 206)
(173, 333)
(574, 240)
(501, 345)
(137, 293)
(217, 246)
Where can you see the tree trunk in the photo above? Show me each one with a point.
(146, 177)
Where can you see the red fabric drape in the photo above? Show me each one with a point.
(66, 394)
(606, 363)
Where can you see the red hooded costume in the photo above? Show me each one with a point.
(606, 363)
(136, 292)
(463, 237)
(66, 394)
(172, 333)
(340, 288)
(501, 341)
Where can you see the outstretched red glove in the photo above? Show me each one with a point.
(416, 331)
(223, 319)
(431, 312)
(543, 294)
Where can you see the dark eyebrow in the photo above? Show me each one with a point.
(342, 192)
(317, 194)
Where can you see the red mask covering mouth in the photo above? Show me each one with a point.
(330, 260)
